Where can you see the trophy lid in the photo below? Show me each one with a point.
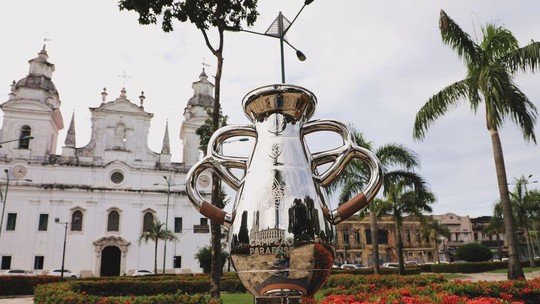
(290, 100)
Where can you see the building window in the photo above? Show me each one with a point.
(25, 143)
(204, 221)
(11, 221)
(148, 221)
(113, 221)
(177, 261)
(357, 237)
(346, 236)
(117, 177)
(417, 236)
(383, 237)
(76, 220)
(6, 262)
(177, 224)
(38, 261)
(43, 222)
(408, 236)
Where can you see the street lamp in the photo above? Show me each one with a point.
(20, 138)
(170, 183)
(3, 196)
(57, 220)
(278, 29)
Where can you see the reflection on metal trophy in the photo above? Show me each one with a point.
(281, 228)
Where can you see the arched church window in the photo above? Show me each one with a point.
(113, 222)
(26, 131)
(76, 220)
(148, 221)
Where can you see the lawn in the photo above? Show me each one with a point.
(525, 270)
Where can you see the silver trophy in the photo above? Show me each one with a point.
(281, 227)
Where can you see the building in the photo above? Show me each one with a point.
(461, 233)
(494, 238)
(104, 193)
(353, 242)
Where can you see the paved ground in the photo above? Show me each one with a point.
(472, 277)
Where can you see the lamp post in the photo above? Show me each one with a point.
(57, 220)
(278, 29)
(170, 183)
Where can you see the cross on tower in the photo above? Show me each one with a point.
(124, 76)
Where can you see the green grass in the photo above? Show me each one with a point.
(246, 298)
(237, 298)
(525, 270)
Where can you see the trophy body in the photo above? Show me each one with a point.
(281, 228)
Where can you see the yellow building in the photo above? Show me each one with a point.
(353, 242)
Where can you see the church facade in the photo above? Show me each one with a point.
(95, 200)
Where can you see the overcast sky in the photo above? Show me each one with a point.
(370, 63)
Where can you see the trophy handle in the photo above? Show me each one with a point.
(221, 165)
(340, 157)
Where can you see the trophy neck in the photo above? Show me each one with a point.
(293, 102)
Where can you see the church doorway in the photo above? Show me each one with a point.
(110, 261)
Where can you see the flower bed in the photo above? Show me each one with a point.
(434, 289)
(67, 293)
(23, 285)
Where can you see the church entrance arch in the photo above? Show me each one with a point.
(110, 261)
(111, 252)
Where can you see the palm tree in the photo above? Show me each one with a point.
(403, 198)
(491, 66)
(496, 228)
(524, 205)
(433, 230)
(157, 232)
(396, 161)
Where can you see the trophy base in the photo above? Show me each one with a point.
(284, 300)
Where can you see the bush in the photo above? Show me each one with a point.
(23, 285)
(474, 252)
(67, 293)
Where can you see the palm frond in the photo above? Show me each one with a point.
(497, 41)
(438, 105)
(523, 59)
(397, 155)
(459, 41)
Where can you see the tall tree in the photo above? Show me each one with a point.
(397, 162)
(406, 197)
(218, 14)
(433, 230)
(524, 206)
(157, 232)
(491, 65)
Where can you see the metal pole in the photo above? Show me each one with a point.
(166, 221)
(4, 196)
(64, 250)
(281, 37)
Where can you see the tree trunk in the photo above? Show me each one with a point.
(528, 239)
(515, 271)
(155, 256)
(400, 248)
(215, 237)
(436, 244)
(499, 246)
(374, 240)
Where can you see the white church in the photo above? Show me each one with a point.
(98, 197)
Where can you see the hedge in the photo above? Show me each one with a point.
(23, 285)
